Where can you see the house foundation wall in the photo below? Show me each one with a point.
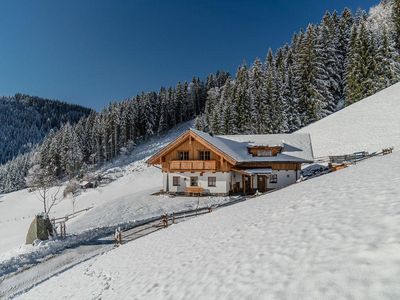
(222, 183)
(226, 182)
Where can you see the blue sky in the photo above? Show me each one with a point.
(93, 52)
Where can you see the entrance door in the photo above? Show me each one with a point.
(261, 183)
(246, 184)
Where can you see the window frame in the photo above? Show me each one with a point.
(273, 178)
(178, 178)
(183, 155)
(203, 155)
(264, 152)
(194, 179)
(214, 179)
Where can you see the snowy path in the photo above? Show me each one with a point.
(23, 281)
(20, 282)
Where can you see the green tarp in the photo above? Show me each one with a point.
(40, 229)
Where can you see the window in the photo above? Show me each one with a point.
(212, 181)
(184, 155)
(264, 153)
(193, 181)
(273, 178)
(176, 181)
(205, 155)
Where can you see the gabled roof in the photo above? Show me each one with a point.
(296, 147)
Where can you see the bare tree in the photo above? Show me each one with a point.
(45, 185)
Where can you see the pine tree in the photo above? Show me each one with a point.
(213, 119)
(163, 124)
(283, 90)
(396, 21)
(306, 67)
(386, 62)
(257, 93)
(148, 115)
(329, 57)
(200, 123)
(242, 101)
(273, 107)
(229, 116)
(344, 32)
(361, 73)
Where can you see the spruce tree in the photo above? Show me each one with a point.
(270, 94)
(396, 21)
(229, 113)
(241, 98)
(362, 67)
(257, 93)
(310, 101)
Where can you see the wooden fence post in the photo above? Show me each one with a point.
(65, 229)
(118, 236)
(53, 222)
(166, 220)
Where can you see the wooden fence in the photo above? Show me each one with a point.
(59, 224)
(168, 219)
(351, 158)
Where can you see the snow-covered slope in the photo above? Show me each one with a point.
(334, 237)
(368, 125)
(126, 199)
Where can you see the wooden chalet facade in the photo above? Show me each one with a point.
(200, 163)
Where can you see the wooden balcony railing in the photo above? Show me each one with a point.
(193, 165)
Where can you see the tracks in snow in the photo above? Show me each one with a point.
(17, 283)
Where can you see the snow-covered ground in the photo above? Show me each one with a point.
(333, 237)
(124, 200)
(368, 125)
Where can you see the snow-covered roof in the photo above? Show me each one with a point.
(257, 171)
(296, 147)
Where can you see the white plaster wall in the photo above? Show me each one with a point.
(285, 178)
(222, 184)
(165, 182)
(236, 177)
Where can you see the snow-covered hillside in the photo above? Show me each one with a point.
(334, 237)
(123, 201)
(368, 125)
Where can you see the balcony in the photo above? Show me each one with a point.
(193, 165)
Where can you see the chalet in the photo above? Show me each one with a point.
(199, 162)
